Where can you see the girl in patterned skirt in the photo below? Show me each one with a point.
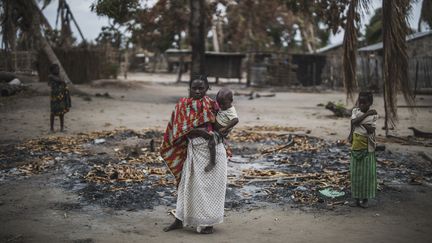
(60, 97)
(363, 161)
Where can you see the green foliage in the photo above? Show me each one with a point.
(111, 35)
(120, 11)
(374, 28)
(111, 70)
(153, 28)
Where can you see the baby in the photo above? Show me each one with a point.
(226, 119)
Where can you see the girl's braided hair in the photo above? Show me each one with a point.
(366, 94)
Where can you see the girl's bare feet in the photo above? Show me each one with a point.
(364, 203)
(354, 203)
(178, 224)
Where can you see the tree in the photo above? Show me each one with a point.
(395, 68)
(374, 28)
(425, 14)
(197, 37)
(25, 16)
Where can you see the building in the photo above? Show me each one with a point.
(370, 61)
(332, 73)
(419, 51)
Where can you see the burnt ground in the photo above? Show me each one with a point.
(270, 167)
(46, 190)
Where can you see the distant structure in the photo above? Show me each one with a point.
(420, 62)
(332, 73)
(370, 61)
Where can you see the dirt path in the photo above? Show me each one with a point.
(34, 212)
(34, 209)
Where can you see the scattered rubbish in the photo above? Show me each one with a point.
(420, 134)
(99, 141)
(15, 81)
(86, 98)
(301, 188)
(290, 142)
(7, 89)
(125, 171)
(380, 147)
(104, 95)
(338, 109)
(331, 193)
(425, 155)
(410, 140)
(253, 94)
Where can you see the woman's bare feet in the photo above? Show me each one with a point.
(206, 230)
(178, 224)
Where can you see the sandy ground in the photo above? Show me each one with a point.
(32, 210)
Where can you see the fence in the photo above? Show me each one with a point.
(18, 61)
(82, 65)
(420, 72)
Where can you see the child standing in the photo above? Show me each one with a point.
(363, 161)
(60, 97)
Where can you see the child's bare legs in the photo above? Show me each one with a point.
(52, 117)
(62, 122)
(355, 202)
(52, 122)
(178, 224)
(364, 203)
(212, 148)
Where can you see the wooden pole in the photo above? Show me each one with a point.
(416, 78)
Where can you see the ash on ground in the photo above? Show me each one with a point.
(271, 166)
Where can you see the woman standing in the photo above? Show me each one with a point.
(188, 147)
(60, 97)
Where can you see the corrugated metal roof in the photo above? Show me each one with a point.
(328, 47)
(379, 45)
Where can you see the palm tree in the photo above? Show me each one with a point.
(25, 16)
(395, 65)
(395, 30)
(425, 14)
(374, 28)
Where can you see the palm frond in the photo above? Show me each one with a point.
(350, 46)
(395, 68)
(425, 14)
(45, 3)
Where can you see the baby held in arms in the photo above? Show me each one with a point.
(226, 118)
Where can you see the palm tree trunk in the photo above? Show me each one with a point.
(197, 37)
(46, 48)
